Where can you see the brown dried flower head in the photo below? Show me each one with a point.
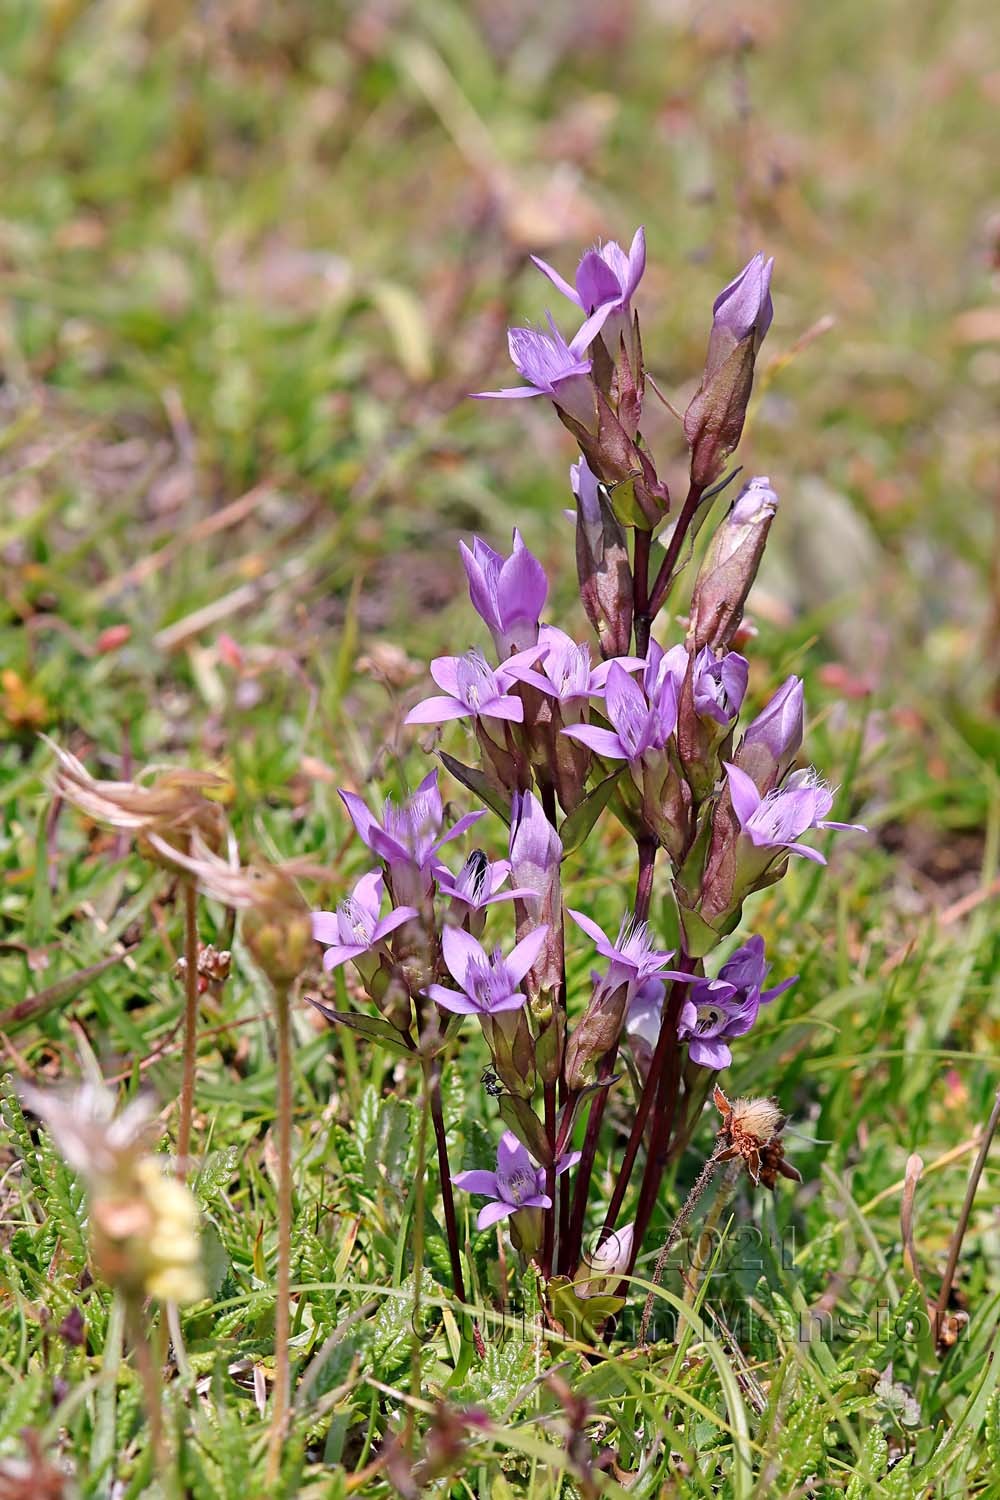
(163, 814)
(751, 1130)
(143, 1225)
(277, 924)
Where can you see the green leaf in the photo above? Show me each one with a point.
(581, 820)
(373, 1027)
(519, 1115)
(478, 783)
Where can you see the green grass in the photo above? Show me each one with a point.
(261, 253)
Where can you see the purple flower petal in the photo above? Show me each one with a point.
(527, 950)
(510, 709)
(452, 1000)
(493, 1213)
(558, 281)
(464, 822)
(603, 742)
(709, 1054)
(596, 282)
(359, 815)
(392, 921)
(342, 953)
(477, 1181)
(437, 711)
(460, 949)
(745, 796)
(604, 945)
(325, 927)
(444, 670)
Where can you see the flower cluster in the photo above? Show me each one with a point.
(643, 730)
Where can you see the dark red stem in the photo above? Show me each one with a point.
(642, 618)
(447, 1194)
(673, 550)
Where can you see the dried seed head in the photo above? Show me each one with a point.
(750, 1130)
(163, 814)
(277, 924)
(143, 1225)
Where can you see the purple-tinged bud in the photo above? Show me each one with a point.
(711, 697)
(730, 566)
(773, 739)
(512, 1047)
(508, 593)
(714, 420)
(602, 563)
(535, 854)
(744, 307)
(596, 1032)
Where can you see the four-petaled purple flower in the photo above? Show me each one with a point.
(517, 1183)
(508, 593)
(408, 836)
(552, 368)
(478, 882)
(719, 687)
(638, 724)
(631, 956)
(489, 982)
(472, 689)
(355, 928)
(566, 671)
(717, 1010)
(778, 820)
(606, 279)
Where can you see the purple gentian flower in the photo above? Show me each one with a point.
(516, 1183)
(717, 1010)
(719, 687)
(638, 724)
(632, 957)
(355, 928)
(489, 982)
(747, 969)
(552, 368)
(472, 689)
(714, 1014)
(408, 836)
(744, 306)
(508, 593)
(606, 279)
(477, 884)
(777, 820)
(566, 671)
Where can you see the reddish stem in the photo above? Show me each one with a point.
(642, 618)
(643, 896)
(673, 550)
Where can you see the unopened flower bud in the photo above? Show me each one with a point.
(535, 853)
(595, 1033)
(278, 929)
(598, 1274)
(602, 563)
(714, 420)
(730, 567)
(773, 739)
